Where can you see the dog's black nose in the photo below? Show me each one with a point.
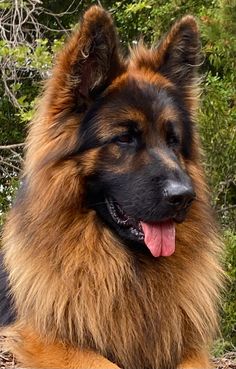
(179, 195)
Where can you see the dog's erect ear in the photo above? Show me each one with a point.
(87, 64)
(177, 55)
(179, 52)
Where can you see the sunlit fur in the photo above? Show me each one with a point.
(71, 278)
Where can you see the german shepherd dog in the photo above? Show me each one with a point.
(110, 250)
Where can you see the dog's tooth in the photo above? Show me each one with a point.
(133, 226)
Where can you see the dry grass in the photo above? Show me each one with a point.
(228, 361)
(7, 361)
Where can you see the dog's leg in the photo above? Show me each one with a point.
(199, 361)
(31, 352)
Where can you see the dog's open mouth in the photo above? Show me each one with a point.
(124, 220)
(158, 237)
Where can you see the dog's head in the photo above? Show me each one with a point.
(132, 126)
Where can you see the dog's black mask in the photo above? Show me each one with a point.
(149, 195)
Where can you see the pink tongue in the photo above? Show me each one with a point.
(160, 238)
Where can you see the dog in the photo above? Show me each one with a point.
(111, 253)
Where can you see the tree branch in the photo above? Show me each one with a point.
(13, 146)
(226, 208)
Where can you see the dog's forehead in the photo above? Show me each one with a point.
(144, 95)
(142, 99)
(140, 84)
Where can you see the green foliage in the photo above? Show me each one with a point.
(218, 114)
(147, 19)
(229, 305)
(228, 316)
(7, 193)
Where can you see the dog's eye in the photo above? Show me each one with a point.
(125, 139)
(172, 138)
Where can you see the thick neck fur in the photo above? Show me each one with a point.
(81, 285)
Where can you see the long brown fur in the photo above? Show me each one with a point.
(72, 281)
